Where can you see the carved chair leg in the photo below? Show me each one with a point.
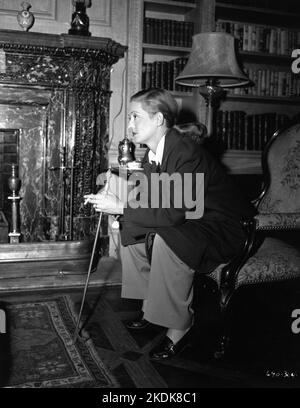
(224, 339)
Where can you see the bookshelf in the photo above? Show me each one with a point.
(161, 32)
(168, 28)
(264, 64)
(266, 34)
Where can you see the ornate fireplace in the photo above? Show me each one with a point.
(54, 112)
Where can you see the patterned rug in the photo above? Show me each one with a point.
(42, 353)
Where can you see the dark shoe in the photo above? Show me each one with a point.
(167, 348)
(138, 324)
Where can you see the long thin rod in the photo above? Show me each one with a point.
(87, 279)
(106, 187)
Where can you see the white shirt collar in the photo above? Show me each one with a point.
(157, 157)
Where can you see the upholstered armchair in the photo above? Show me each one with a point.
(266, 258)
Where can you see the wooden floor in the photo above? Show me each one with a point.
(264, 352)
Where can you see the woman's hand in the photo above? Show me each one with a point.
(106, 202)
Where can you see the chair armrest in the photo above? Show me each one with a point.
(277, 221)
(259, 223)
(230, 271)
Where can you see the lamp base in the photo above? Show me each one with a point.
(211, 93)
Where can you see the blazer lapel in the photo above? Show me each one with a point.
(167, 150)
(170, 139)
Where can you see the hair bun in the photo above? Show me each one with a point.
(195, 130)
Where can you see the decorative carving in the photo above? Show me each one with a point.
(62, 45)
(33, 69)
(72, 128)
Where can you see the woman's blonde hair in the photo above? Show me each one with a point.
(155, 100)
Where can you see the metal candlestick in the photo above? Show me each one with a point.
(14, 184)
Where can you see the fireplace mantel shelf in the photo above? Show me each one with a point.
(59, 43)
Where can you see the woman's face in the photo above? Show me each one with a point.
(142, 127)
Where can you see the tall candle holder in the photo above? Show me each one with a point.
(14, 184)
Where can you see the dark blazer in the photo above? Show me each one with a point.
(201, 243)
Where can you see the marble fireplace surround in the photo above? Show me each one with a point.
(55, 91)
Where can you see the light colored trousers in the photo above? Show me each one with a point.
(166, 284)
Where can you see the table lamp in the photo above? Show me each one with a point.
(211, 67)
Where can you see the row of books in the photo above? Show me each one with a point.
(238, 131)
(278, 41)
(271, 83)
(162, 74)
(266, 82)
(168, 32)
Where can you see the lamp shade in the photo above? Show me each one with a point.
(212, 58)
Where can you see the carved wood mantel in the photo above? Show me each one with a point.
(54, 101)
(55, 90)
